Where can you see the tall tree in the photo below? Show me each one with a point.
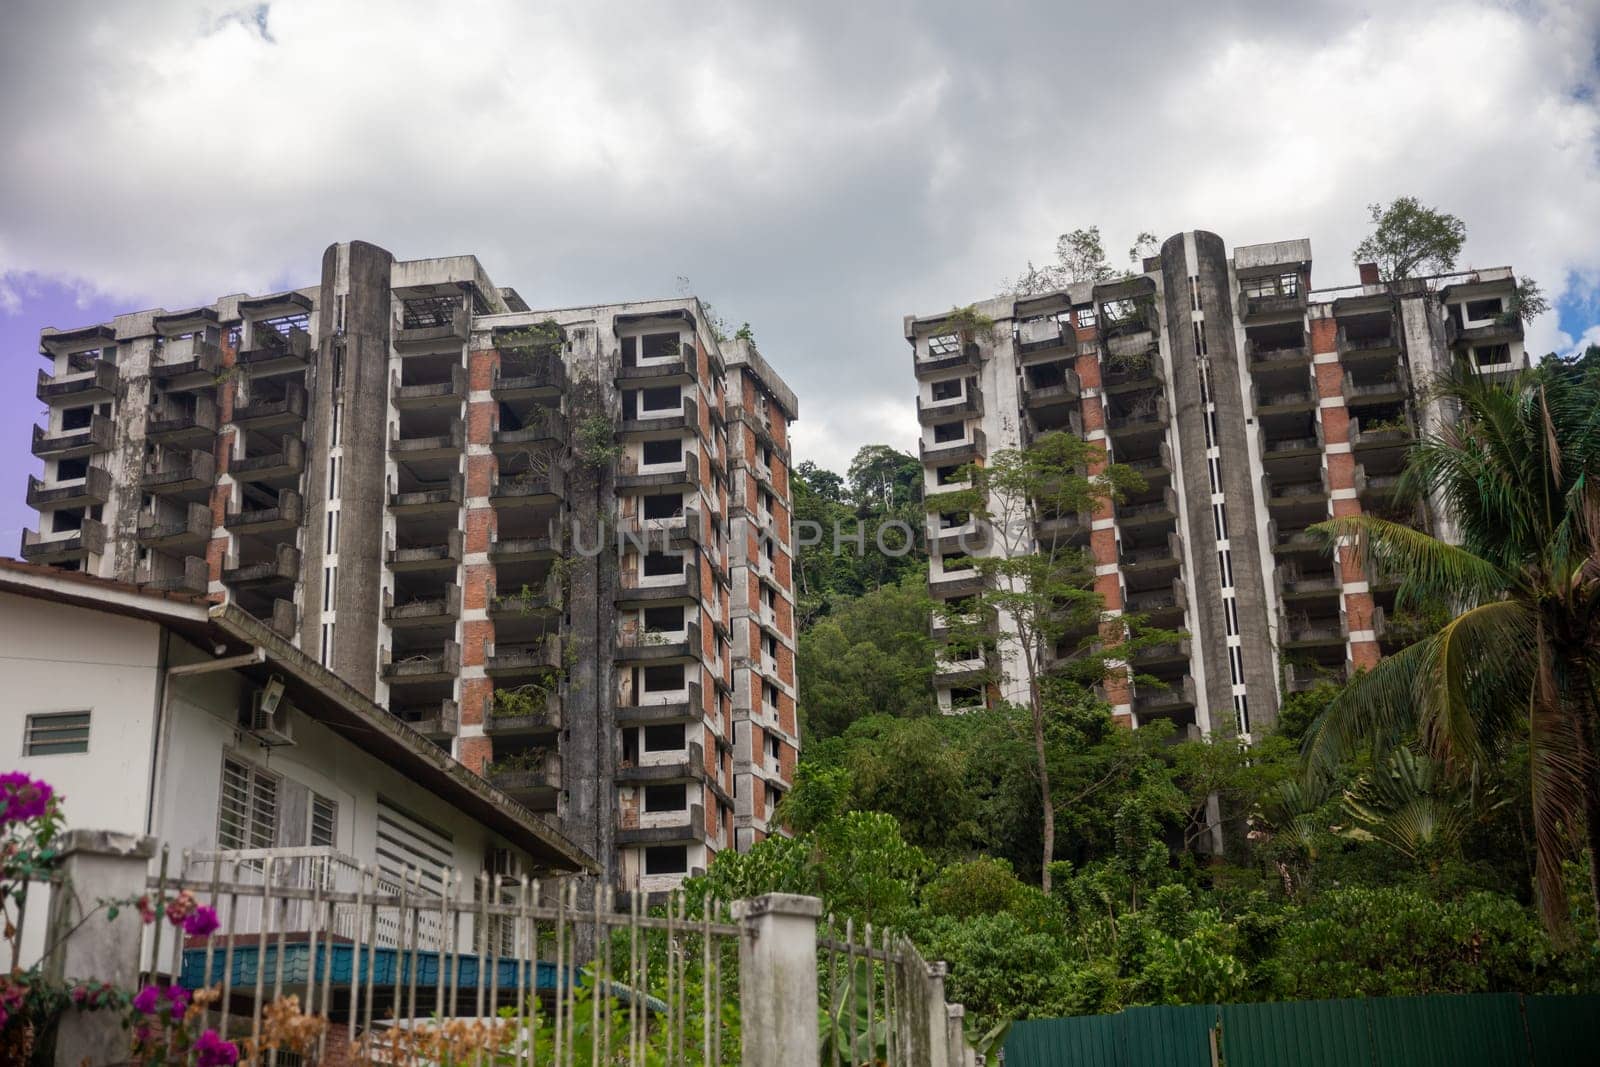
(1044, 588)
(1410, 239)
(1080, 257)
(1519, 470)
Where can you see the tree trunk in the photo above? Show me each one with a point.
(1036, 706)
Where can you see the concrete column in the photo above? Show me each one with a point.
(941, 1053)
(778, 979)
(96, 865)
(956, 1035)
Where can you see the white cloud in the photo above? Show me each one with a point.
(817, 170)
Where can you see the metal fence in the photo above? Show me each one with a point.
(1470, 1030)
(316, 958)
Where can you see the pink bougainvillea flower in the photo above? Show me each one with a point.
(22, 797)
(202, 922)
(147, 910)
(150, 999)
(179, 907)
(145, 1001)
(212, 1051)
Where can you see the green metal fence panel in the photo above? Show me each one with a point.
(1177, 1036)
(1085, 1041)
(1563, 1030)
(1311, 1033)
(1475, 1030)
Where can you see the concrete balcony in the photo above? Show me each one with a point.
(1045, 337)
(1376, 489)
(649, 709)
(428, 446)
(283, 567)
(1156, 470)
(93, 488)
(527, 603)
(186, 425)
(681, 369)
(930, 412)
(1169, 654)
(1148, 700)
(75, 443)
(1300, 677)
(535, 787)
(97, 384)
(1157, 560)
(675, 533)
(189, 473)
(420, 397)
(1492, 333)
(422, 667)
(522, 713)
(1298, 495)
(537, 377)
(1148, 419)
(1282, 401)
(1262, 306)
(518, 549)
(1267, 360)
(958, 453)
(1368, 347)
(274, 353)
(963, 539)
(193, 576)
(1295, 541)
(535, 659)
(686, 827)
(1045, 397)
(637, 591)
(549, 430)
(267, 414)
(64, 546)
(1164, 607)
(190, 529)
(656, 421)
(1376, 434)
(1295, 584)
(286, 514)
(1392, 389)
(428, 611)
(432, 500)
(444, 556)
(287, 461)
(1062, 529)
(968, 356)
(650, 648)
(439, 721)
(528, 488)
(1129, 364)
(688, 765)
(1309, 632)
(1163, 510)
(633, 478)
(187, 363)
(434, 337)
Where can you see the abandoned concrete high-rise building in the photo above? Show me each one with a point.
(555, 542)
(1253, 406)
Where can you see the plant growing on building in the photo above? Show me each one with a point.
(529, 700)
(1410, 240)
(528, 348)
(970, 323)
(1527, 303)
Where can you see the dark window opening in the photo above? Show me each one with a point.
(667, 451)
(667, 738)
(674, 797)
(666, 859)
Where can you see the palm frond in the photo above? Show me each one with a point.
(1560, 764)
(1427, 566)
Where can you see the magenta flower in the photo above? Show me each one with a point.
(22, 797)
(202, 922)
(212, 1051)
(179, 907)
(147, 910)
(146, 1000)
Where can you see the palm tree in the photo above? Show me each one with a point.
(1516, 469)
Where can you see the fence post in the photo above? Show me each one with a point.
(778, 979)
(96, 865)
(961, 1055)
(940, 1051)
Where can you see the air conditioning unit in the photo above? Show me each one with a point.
(266, 715)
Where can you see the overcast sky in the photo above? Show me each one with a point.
(816, 169)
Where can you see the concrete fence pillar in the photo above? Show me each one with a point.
(961, 1054)
(778, 979)
(96, 865)
(940, 1052)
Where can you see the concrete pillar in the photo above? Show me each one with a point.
(941, 1053)
(778, 979)
(956, 1036)
(96, 865)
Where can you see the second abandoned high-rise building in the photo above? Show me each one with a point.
(556, 542)
(1253, 406)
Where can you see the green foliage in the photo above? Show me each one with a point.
(596, 440)
(970, 323)
(1410, 239)
(870, 654)
(1527, 303)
